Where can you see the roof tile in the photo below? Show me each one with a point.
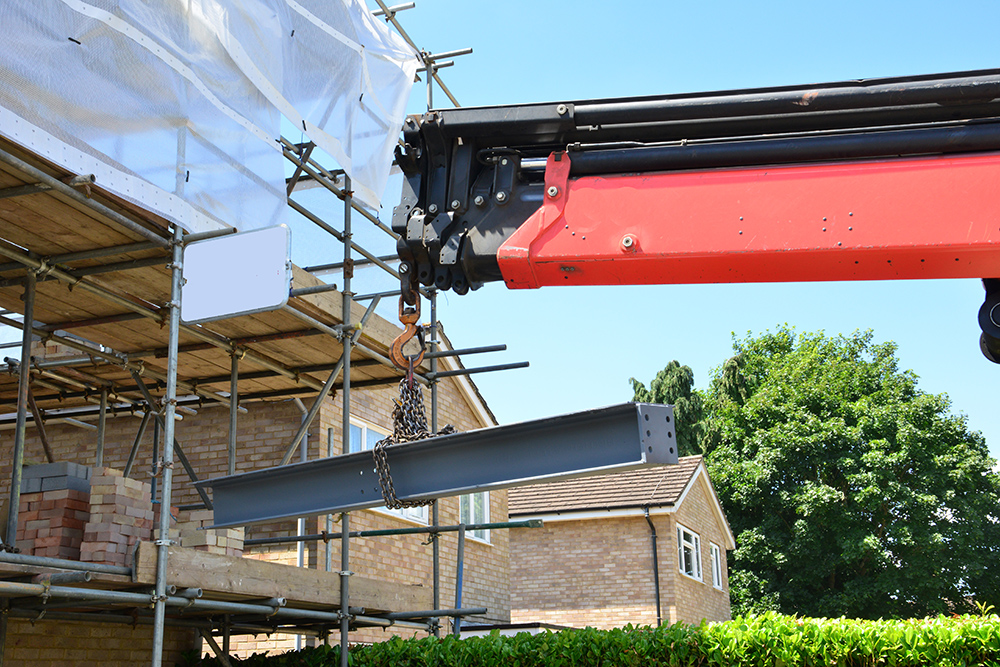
(655, 486)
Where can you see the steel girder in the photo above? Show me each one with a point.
(616, 438)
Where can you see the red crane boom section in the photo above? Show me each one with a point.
(932, 217)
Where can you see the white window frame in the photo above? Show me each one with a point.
(414, 514)
(716, 558)
(689, 549)
(467, 514)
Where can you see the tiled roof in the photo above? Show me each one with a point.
(657, 486)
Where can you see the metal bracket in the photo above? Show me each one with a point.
(46, 592)
(507, 168)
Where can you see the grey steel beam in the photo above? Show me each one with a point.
(462, 351)
(306, 152)
(10, 536)
(116, 359)
(135, 443)
(315, 171)
(345, 357)
(97, 253)
(102, 421)
(345, 429)
(169, 406)
(620, 437)
(170, 401)
(126, 265)
(395, 8)
(436, 375)
(40, 425)
(436, 505)
(338, 266)
(414, 530)
(83, 180)
(160, 315)
(222, 655)
(234, 402)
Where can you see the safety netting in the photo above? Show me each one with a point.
(177, 106)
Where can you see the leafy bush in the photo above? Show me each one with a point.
(755, 641)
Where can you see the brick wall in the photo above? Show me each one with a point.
(121, 514)
(54, 509)
(49, 643)
(263, 435)
(599, 572)
(695, 600)
(584, 573)
(406, 559)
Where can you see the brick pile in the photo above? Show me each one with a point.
(191, 532)
(54, 508)
(121, 514)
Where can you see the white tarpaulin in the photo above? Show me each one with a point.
(177, 106)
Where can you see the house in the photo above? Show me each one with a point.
(92, 483)
(74, 510)
(641, 547)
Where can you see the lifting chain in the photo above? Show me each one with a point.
(409, 425)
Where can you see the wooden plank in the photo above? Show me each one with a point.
(32, 230)
(218, 574)
(99, 579)
(97, 192)
(73, 222)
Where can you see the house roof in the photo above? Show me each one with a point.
(658, 486)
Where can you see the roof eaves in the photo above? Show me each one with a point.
(598, 508)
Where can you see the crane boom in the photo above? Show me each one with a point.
(858, 180)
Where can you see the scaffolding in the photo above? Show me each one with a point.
(103, 277)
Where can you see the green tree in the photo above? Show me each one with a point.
(674, 385)
(850, 491)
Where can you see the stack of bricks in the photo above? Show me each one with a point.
(193, 534)
(54, 508)
(121, 514)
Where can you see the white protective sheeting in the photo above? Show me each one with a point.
(177, 106)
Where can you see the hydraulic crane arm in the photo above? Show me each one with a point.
(860, 180)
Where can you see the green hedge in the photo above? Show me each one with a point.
(770, 639)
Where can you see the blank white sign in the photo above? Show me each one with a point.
(239, 274)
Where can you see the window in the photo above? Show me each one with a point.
(363, 437)
(689, 552)
(716, 565)
(475, 508)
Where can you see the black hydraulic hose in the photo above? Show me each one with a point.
(894, 143)
(866, 104)
(960, 88)
(782, 124)
(656, 565)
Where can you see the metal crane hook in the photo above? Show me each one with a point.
(408, 318)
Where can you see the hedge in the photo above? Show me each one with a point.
(757, 641)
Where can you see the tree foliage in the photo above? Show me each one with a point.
(850, 491)
(674, 385)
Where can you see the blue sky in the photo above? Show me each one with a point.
(585, 343)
